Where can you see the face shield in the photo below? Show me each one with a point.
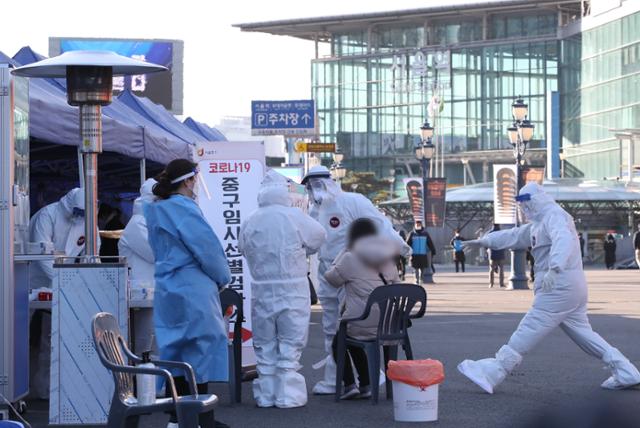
(317, 190)
(525, 208)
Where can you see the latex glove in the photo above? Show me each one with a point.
(474, 243)
(549, 281)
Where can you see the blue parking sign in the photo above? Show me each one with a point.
(296, 117)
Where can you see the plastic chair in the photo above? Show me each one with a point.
(396, 303)
(192, 410)
(231, 298)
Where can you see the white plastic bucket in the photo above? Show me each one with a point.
(414, 404)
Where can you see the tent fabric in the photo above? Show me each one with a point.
(125, 131)
(160, 116)
(209, 133)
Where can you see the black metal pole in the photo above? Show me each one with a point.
(518, 279)
(427, 273)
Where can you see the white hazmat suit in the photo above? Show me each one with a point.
(560, 294)
(62, 225)
(335, 210)
(276, 240)
(134, 245)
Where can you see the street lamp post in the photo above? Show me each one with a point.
(424, 153)
(338, 170)
(520, 133)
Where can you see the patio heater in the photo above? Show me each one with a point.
(82, 288)
(89, 76)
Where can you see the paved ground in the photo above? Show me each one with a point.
(467, 320)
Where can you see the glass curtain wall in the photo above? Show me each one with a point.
(606, 97)
(373, 104)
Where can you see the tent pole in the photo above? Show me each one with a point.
(80, 169)
(143, 171)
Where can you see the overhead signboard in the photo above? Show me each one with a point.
(315, 147)
(163, 88)
(290, 118)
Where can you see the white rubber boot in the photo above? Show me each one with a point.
(623, 373)
(264, 389)
(490, 372)
(328, 384)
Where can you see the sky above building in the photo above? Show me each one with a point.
(224, 69)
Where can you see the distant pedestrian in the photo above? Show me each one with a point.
(610, 251)
(532, 263)
(423, 250)
(458, 251)
(401, 261)
(636, 245)
(581, 238)
(496, 262)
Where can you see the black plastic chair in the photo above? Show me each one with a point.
(396, 303)
(192, 410)
(231, 298)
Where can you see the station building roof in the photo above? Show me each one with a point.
(321, 28)
(562, 190)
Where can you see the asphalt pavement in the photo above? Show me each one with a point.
(466, 319)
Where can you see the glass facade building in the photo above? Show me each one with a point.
(601, 94)
(575, 63)
(372, 93)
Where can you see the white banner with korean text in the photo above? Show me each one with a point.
(231, 174)
(505, 190)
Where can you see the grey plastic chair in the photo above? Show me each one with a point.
(396, 303)
(192, 410)
(231, 298)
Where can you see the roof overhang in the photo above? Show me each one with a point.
(321, 28)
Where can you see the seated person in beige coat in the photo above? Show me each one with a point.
(368, 262)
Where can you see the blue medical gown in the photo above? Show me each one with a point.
(190, 269)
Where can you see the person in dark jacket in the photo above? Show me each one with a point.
(636, 245)
(532, 263)
(401, 261)
(422, 251)
(458, 251)
(610, 251)
(581, 239)
(496, 262)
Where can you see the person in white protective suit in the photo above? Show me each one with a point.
(134, 245)
(560, 290)
(335, 210)
(60, 224)
(276, 240)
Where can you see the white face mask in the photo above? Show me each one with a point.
(193, 188)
